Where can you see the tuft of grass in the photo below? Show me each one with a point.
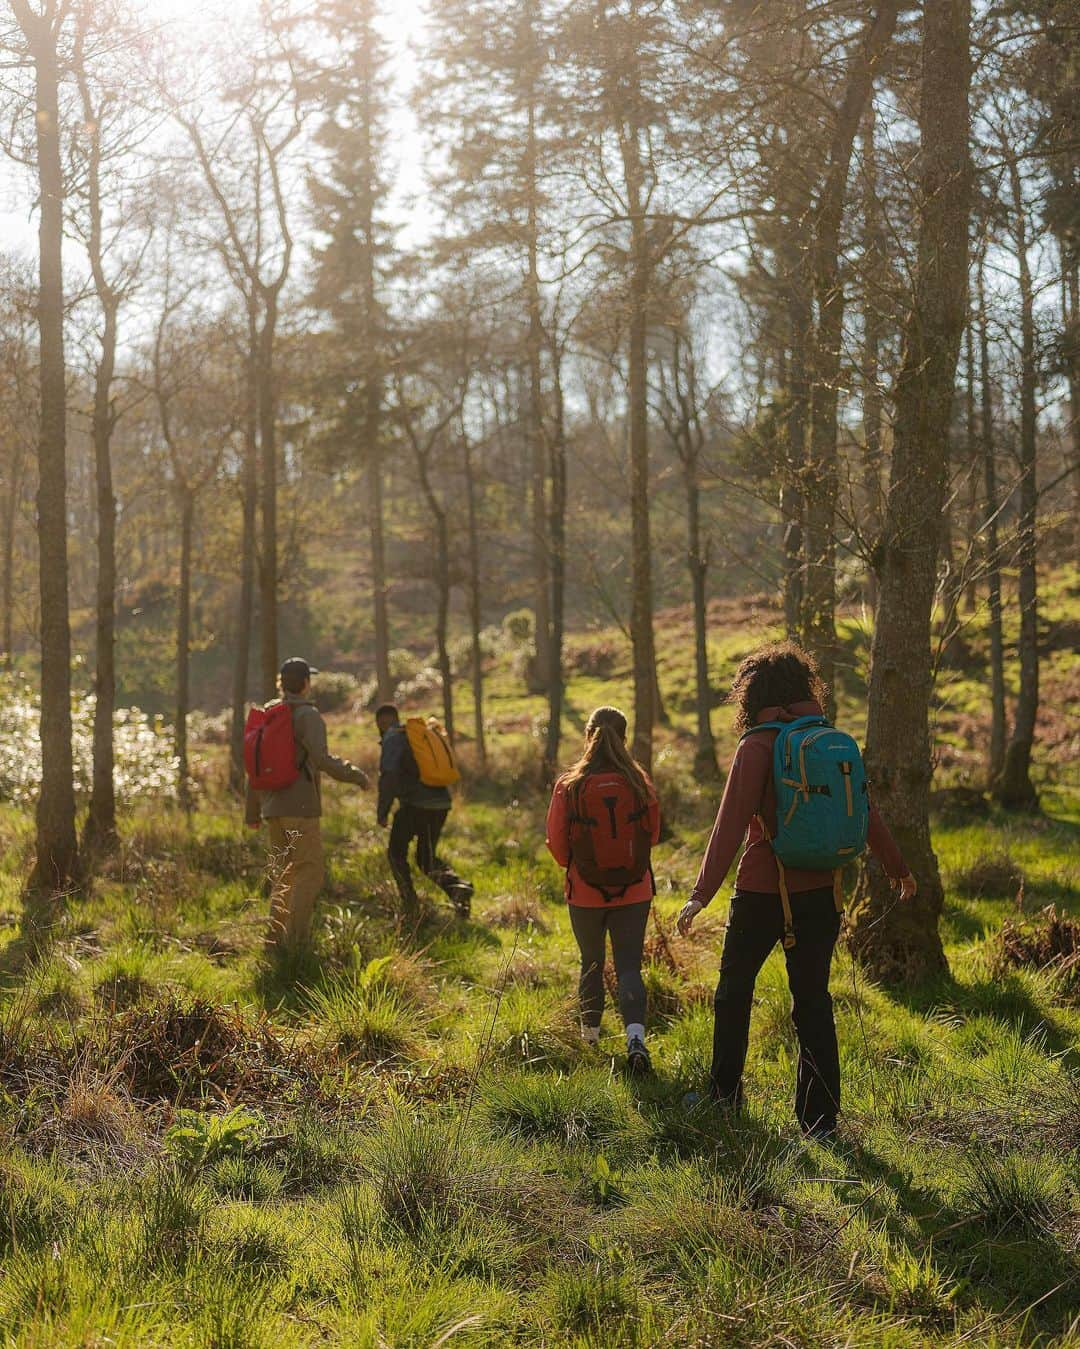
(1015, 1193)
(585, 1107)
(366, 1021)
(994, 874)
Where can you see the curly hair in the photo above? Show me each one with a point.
(774, 676)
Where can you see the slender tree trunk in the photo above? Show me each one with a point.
(246, 597)
(900, 942)
(442, 592)
(374, 458)
(183, 645)
(792, 500)
(267, 410)
(993, 556)
(1015, 788)
(56, 862)
(819, 603)
(7, 583)
(1071, 316)
(100, 830)
(474, 604)
(557, 530)
(535, 424)
(697, 563)
(873, 404)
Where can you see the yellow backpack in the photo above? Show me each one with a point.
(431, 750)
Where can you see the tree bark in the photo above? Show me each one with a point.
(697, 563)
(474, 604)
(557, 530)
(901, 942)
(442, 592)
(1072, 326)
(99, 833)
(268, 554)
(248, 515)
(535, 418)
(373, 448)
(873, 404)
(7, 584)
(819, 601)
(56, 861)
(1015, 788)
(792, 499)
(186, 500)
(993, 555)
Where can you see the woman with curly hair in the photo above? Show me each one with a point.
(779, 683)
(602, 824)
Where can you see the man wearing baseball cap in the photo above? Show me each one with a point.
(293, 813)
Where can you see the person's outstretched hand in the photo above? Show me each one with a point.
(908, 886)
(689, 912)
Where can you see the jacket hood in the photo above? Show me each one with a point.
(809, 707)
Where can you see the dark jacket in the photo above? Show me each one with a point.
(303, 798)
(399, 778)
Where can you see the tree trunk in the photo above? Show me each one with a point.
(1072, 322)
(697, 562)
(792, 501)
(267, 410)
(373, 450)
(900, 942)
(7, 584)
(535, 424)
(819, 602)
(993, 557)
(442, 592)
(557, 530)
(183, 645)
(56, 855)
(873, 404)
(474, 605)
(246, 597)
(99, 833)
(1015, 788)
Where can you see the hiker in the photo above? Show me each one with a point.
(602, 824)
(778, 697)
(285, 754)
(417, 768)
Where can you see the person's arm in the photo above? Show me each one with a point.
(742, 797)
(252, 807)
(311, 733)
(884, 847)
(558, 832)
(391, 765)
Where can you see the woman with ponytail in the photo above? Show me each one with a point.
(602, 824)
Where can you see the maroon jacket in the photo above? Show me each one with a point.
(748, 792)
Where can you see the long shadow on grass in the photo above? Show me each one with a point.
(1005, 998)
(1008, 1272)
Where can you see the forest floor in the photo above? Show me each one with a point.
(398, 1139)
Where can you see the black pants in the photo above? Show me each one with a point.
(755, 925)
(425, 826)
(626, 923)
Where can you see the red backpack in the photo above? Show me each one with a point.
(610, 841)
(270, 748)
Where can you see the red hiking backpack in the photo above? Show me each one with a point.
(270, 748)
(610, 841)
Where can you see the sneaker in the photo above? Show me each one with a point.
(637, 1057)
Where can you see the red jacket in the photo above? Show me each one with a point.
(748, 792)
(578, 891)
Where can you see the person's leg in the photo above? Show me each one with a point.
(279, 874)
(817, 1086)
(402, 832)
(755, 924)
(444, 875)
(627, 924)
(589, 926)
(308, 874)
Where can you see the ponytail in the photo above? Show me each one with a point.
(605, 747)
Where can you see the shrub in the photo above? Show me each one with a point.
(334, 690)
(1051, 941)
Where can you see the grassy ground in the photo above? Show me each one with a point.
(399, 1140)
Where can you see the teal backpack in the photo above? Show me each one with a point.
(822, 806)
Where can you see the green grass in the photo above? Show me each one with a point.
(400, 1140)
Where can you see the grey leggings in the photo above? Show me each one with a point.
(626, 924)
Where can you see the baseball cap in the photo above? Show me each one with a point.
(297, 667)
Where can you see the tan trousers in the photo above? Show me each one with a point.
(296, 876)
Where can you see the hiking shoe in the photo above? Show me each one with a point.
(637, 1057)
(461, 899)
(824, 1131)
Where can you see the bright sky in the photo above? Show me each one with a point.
(402, 23)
